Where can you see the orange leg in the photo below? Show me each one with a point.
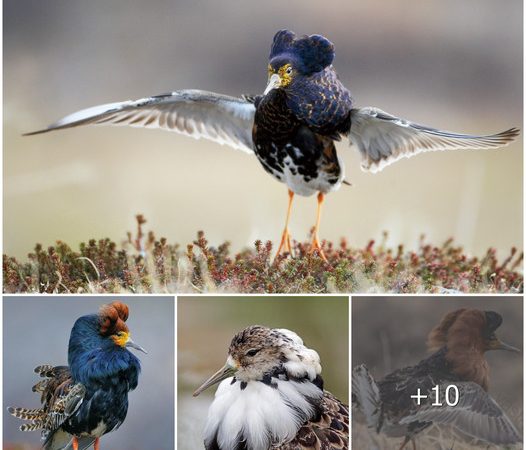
(414, 444)
(96, 446)
(315, 245)
(285, 237)
(75, 443)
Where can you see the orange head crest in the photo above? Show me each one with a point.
(468, 328)
(468, 334)
(112, 319)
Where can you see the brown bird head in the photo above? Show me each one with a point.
(468, 334)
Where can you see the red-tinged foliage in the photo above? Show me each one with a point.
(143, 263)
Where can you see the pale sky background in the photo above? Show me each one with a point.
(455, 65)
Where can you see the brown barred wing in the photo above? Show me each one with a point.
(329, 431)
(60, 398)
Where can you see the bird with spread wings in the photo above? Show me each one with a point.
(292, 126)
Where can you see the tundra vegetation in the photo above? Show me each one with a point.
(143, 263)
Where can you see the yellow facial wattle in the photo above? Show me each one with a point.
(121, 338)
(285, 73)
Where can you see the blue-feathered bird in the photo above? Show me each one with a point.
(89, 398)
(292, 127)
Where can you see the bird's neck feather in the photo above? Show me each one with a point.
(469, 364)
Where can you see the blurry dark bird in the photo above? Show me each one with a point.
(292, 127)
(458, 343)
(271, 397)
(89, 398)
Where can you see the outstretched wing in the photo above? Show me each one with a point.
(383, 139)
(60, 398)
(476, 415)
(199, 114)
(330, 431)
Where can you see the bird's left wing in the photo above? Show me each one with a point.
(199, 114)
(477, 414)
(383, 139)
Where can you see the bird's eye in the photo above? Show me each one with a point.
(289, 70)
(252, 352)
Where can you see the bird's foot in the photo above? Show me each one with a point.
(96, 446)
(316, 247)
(284, 245)
(75, 443)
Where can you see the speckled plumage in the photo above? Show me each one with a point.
(295, 126)
(271, 397)
(458, 343)
(88, 398)
(291, 152)
(327, 431)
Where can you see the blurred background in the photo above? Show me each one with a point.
(389, 333)
(206, 325)
(36, 331)
(455, 65)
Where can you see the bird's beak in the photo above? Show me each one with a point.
(273, 82)
(131, 344)
(497, 344)
(226, 371)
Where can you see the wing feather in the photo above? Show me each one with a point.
(330, 431)
(60, 398)
(477, 414)
(199, 114)
(366, 395)
(383, 139)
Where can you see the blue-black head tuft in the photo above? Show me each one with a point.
(310, 54)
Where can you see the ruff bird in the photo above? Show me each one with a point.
(292, 126)
(89, 398)
(458, 345)
(271, 396)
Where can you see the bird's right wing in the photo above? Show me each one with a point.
(60, 398)
(199, 114)
(328, 431)
(477, 414)
(383, 139)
